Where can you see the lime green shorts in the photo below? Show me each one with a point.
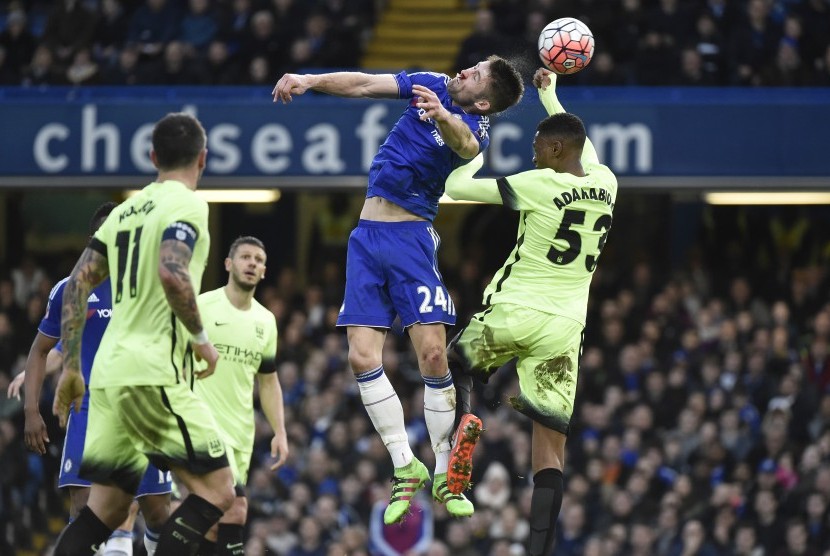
(131, 425)
(547, 347)
(240, 462)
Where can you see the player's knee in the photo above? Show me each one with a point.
(156, 510)
(362, 359)
(433, 359)
(239, 511)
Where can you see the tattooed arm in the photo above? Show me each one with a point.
(174, 261)
(90, 270)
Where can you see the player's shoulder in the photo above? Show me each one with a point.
(210, 296)
(58, 288)
(260, 311)
(602, 173)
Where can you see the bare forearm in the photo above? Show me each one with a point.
(73, 316)
(270, 399)
(182, 299)
(174, 262)
(354, 84)
(458, 137)
(33, 382)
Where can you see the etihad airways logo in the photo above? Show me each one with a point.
(238, 354)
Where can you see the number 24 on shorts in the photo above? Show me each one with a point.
(441, 299)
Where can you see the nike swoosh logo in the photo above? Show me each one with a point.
(232, 546)
(179, 521)
(220, 323)
(95, 548)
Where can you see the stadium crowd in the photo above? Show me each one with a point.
(702, 424)
(250, 42)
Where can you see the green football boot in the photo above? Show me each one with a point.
(405, 484)
(457, 504)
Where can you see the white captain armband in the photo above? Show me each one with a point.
(181, 231)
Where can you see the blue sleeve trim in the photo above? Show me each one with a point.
(404, 85)
(181, 231)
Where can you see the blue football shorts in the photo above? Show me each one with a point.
(154, 481)
(392, 270)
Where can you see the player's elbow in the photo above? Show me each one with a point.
(468, 150)
(170, 280)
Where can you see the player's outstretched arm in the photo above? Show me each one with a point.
(270, 398)
(174, 273)
(545, 81)
(462, 186)
(350, 84)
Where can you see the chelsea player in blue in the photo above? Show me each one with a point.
(391, 266)
(154, 493)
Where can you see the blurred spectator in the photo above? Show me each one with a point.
(18, 43)
(152, 26)
(83, 70)
(126, 71)
(220, 68)
(481, 43)
(69, 29)
(604, 72)
(259, 72)
(262, 39)
(8, 76)
(198, 26)
(110, 31)
(754, 43)
(177, 68)
(788, 69)
(708, 41)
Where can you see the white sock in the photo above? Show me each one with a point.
(120, 543)
(151, 541)
(439, 413)
(385, 410)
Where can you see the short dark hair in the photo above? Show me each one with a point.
(244, 240)
(100, 215)
(564, 125)
(178, 139)
(506, 85)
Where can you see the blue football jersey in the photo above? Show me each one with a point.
(413, 163)
(98, 313)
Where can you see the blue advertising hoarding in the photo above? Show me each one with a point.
(61, 135)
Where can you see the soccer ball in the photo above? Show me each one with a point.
(566, 45)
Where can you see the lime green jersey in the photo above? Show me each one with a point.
(247, 344)
(564, 222)
(145, 343)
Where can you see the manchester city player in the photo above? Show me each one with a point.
(391, 266)
(537, 302)
(245, 335)
(154, 492)
(154, 247)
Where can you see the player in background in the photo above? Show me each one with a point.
(141, 407)
(245, 335)
(537, 302)
(154, 492)
(391, 266)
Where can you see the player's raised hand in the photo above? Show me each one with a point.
(289, 84)
(279, 450)
(543, 78)
(15, 385)
(207, 353)
(429, 103)
(70, 390)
